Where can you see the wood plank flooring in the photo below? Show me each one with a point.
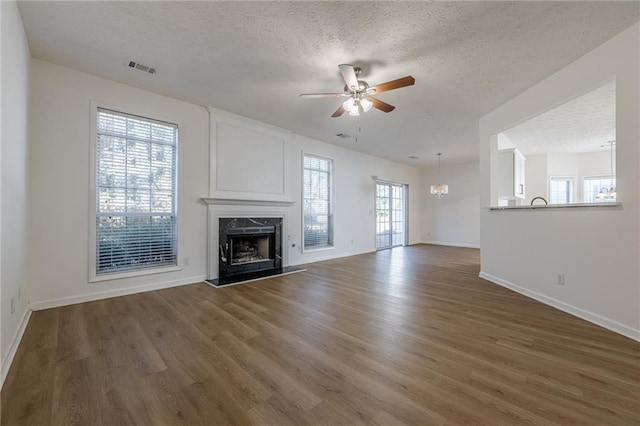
(403, 336)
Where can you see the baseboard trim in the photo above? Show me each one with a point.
(596, 319)
(72, 300)
(324, 258)
(17, 338)
(450, 244)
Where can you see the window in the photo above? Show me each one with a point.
(561, 190)
(596, 189)
(317, 202)
(135, 174)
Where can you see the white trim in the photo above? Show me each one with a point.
(17, 338)
(405, 198)
(217, 116)
(98, 295)
(246, 202)
(317, 249)
(382, 179)
(93, 116)
(134, 273)
(607, 323)
(214, 215)
(230, 117)
(332, 197)
(315, 259)
(451, 244)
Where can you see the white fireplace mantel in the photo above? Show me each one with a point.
(246, 202)
(236, 207)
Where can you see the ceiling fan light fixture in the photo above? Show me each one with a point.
(366, 104)
(348, 104)
(356, 91)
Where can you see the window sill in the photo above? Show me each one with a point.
(557, 206)
(121, 275)
(313, 250)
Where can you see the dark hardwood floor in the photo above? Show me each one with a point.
(404, 336)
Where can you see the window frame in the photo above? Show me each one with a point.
(572, 194)
(94, 277)
(332, 246)
(585, 178)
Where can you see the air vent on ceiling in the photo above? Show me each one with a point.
(142, 67)
(343, 135)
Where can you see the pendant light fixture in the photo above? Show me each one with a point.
(609, 193)
(440, 189)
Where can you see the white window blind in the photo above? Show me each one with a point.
(561, 190)
(135, 193)
(317, 202)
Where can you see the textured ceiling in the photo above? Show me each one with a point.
(584, 124)
(254, 58)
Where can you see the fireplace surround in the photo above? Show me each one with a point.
(249, 221)
(247, 245)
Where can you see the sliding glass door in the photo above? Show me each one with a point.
(391, 216)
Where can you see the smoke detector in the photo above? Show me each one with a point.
(141, 67)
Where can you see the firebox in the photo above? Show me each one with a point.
(248, 245)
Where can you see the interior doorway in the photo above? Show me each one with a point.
(391, 215)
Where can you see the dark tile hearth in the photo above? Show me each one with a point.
(253, 276)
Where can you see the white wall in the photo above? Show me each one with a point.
(536, 178)
(15, 57)
(596, 163)
(234, 137)
(353, 196)
(60, 173)
(59, 194)
(596, 248)
(455, 218)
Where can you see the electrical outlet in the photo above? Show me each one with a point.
(560, 279)
(428, 234)
(185, 261)
(13, 304)
(351, 242)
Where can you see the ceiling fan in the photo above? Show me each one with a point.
(359, 92)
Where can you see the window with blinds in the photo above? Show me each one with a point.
(317, 202)
(135, 193)
(592, 185)
(561, 190)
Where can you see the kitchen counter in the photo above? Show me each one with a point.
(556, 206)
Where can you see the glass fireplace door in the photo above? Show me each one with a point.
(391, 221)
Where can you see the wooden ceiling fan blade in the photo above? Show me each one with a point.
(323, 95)
(391, 85)
(382, 106)
(349, 75)
(338, 112)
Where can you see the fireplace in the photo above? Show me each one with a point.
(249, 245)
